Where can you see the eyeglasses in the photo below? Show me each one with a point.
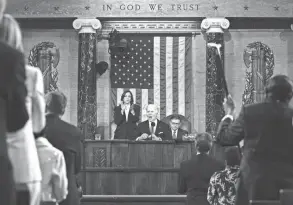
(175, 123)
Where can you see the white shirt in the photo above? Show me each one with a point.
(21, 144)
(176, 132)
(155, 127)
(53, 166)
(127, 108)
(227, 116)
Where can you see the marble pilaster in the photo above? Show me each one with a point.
(87, 104)
(214, 31)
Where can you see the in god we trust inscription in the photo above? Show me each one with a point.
(151, 7)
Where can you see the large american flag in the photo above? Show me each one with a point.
(157, 70)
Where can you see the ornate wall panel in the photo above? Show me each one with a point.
(152, 26)
(259, 60)
(46, 56)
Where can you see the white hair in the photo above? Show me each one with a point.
(157, 108)
(11, 32)
(2, 7)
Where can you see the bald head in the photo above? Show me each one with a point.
(152, 111)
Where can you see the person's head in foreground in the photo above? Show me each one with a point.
(2, 7)
(232, 155)
(203, 142)
(10, 32)
(56, 103)
(279, 89)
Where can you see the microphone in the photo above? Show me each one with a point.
(153, 128)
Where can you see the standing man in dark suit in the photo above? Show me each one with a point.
(195, 173)
(266, 127)
(152, 128)
(66, 138)
(177, 133)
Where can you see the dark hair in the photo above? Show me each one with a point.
(279, 88)
(232, 156)
(175, 117)
(203, 142)
(56, 102)
(124, 93)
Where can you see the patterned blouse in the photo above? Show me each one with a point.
(222, 188)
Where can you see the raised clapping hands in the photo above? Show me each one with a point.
(132, 110)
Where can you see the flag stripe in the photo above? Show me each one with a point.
(162, 77)
(169, 76)
(172, 78)
(151, 96)
(188, 78)
(119, 94)
(138, 100)
(133, 90)
(144, 103)
(181, 75)
(175, 74)
(138, 97)
(157, 93)
(113, 100)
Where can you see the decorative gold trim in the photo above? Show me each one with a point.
(152, 26)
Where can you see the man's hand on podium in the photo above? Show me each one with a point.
(144, 136)
(155, 138)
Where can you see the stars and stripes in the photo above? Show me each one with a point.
(134, 68)
(156, 69)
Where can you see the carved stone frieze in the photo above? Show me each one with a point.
(152, 26)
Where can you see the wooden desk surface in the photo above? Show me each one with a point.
(130, 167)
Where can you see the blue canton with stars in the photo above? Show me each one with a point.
(134, 68)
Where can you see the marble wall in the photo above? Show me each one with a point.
(67, 42)
(280, 41)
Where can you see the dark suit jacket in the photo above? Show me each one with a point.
(12, 87)
(66, 138)
(180, 134)
(13, 112)
(194, 177)
(126, 129)
(162, 130)
(267, 162)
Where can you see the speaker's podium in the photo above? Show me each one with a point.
(122, 167)
(133, 172)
